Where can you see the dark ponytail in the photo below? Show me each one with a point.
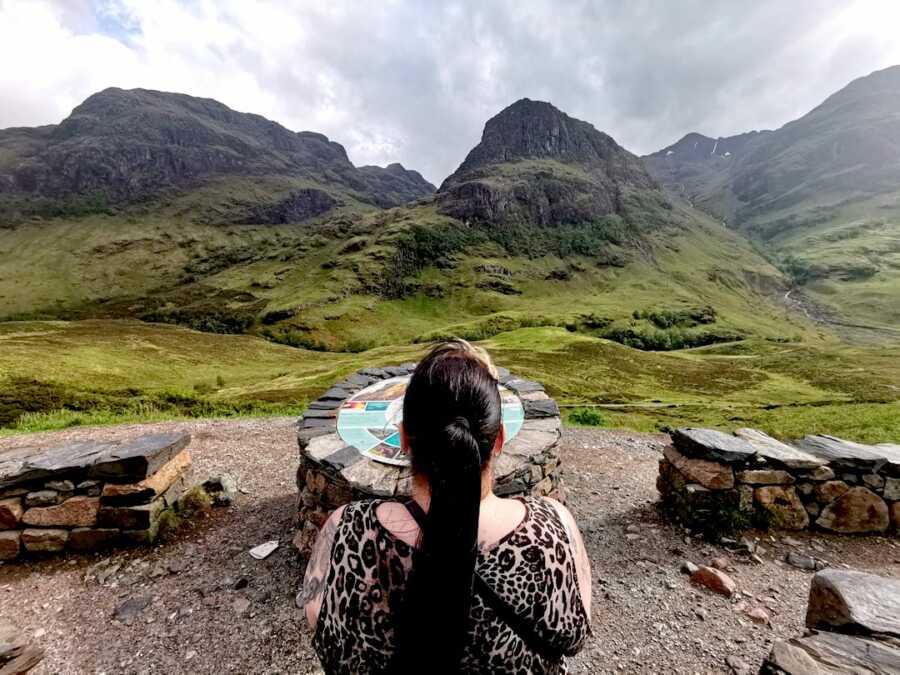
(451, 416)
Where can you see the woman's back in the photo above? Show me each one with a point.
(527, 610)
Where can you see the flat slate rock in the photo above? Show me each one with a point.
(325, 404)
(127, 461)
(377, 373)
(540, 408)
(520, 386)
(335, 394)
(844, 453)
(712, 444)
(854, 602)
(773, 449)
(832, 654)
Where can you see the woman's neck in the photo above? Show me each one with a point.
(421, 491)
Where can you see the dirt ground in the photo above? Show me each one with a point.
(201, 604)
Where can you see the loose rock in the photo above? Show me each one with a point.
(715, 580)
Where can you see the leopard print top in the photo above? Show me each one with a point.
(532, 569)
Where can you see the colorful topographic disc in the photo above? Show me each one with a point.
(369, 420)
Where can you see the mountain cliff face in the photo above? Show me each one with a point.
(536, 164)
(120, 147)
(846, 148)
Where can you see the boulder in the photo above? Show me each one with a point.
(830, 490)
(80, 511)
(715, 580)
(10, 544)
(895, 515)
(10, 512)
(783, 505)
(764, 477)
(854, 602)
(44, 541)
(857, 510)
(709, 474)
(831, 654)
(712, 444)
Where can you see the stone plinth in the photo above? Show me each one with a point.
(711, 480)
(89, 495)
(334, 470)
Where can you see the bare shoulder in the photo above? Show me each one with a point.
(563, 512)
(310, 597)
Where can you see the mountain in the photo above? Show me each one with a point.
(846, 148)
(821, 194)
(536, 164)
(547, 222)
(120, 148)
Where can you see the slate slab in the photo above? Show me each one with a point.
(136, 459)
(325, 404)
(712, 444)
(540, 408)
(335, 394)
(520, 386)
(775, 450)
(130, 460)
(843, 453)
(831, 654)
(854, 602)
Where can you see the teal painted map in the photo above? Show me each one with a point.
(369, 420)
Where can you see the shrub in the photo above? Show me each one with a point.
(587, 417)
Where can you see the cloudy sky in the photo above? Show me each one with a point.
(414, 81)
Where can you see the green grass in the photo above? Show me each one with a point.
(107, 372)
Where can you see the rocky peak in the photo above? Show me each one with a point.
(537, 164)
(538, 130)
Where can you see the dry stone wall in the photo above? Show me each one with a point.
(90, 495)
(711, 480)
(332, 473)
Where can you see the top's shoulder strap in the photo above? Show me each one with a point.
(507, 614)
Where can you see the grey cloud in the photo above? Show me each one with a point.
(415, 81)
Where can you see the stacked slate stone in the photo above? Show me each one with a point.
(332, 473)
(854, 627)
(89, 495)
(819, 482)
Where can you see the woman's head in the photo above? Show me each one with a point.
(452, 396)
(452, 425)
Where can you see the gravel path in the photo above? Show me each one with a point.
(201, 604)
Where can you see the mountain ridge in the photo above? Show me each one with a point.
(125, 146)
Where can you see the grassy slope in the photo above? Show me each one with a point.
(824, 388)
(853, 254)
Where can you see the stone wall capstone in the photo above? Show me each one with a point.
(90, 495)
(711, 479)
(332, 472)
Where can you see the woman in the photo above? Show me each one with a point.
(455, 580)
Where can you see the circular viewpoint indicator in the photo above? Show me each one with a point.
(370, 419)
